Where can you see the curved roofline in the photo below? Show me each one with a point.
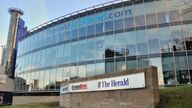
(46, 24)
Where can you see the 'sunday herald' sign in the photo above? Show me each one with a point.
(121, 82)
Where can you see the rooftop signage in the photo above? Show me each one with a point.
(115, 83)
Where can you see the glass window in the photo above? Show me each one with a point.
(118, 24)
(150, 13)
(153, 41)
(82, 32)
(82, 21)
(141, 42)
(158, 63)
(74, 33)
(100, 48)
(91, 30)
(173, 7)
(130, 43)
(52, 81)
(181, 69)
(82, 50)
(100, 68)
(31, 84)
(82, 71)
(91, 19)
(120, 44)
(165, 39)
(67, 53)
(143, 62)
(74, 47)
(60, 54)
(190, 65)
(41, 80)
(67, 35)
(66, 73)
(178, 38)
(91, 49)
(99, 17)
(75, 24)
(109, 26)
(139, 15)
(131, 64)
(120, 66)
(168, 70)
(46, 81)
(129, 22)
(90, 69)
(59, 78)
(36, 81)
(109, 46)
(110, 67)
(187, 32)
(73, 74)
(99, 28)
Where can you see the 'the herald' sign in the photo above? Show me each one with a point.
(121, 82)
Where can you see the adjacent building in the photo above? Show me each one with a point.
(108, 38)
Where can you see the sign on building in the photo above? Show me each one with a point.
(136, 80)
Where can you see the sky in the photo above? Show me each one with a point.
(37, 12)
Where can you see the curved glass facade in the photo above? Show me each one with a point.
(111, 38)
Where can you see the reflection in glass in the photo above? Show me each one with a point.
(153, 41)
(100, 48)
(52, 81)
(90, 69)
(100, 68)
(131, 64)
(110, 67)
(66, 73)
(82, 71)
(46, 82)
(158, 63)
(120, 45)
(131, 43)
(141, 42)
(181, 69)
(168, 70)
(109, 46)
(59, 78)
(120, 66)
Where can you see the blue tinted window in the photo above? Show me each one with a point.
(82, 21)
(91, 30)
(90, 19)
(109, 26)
(99, 28)
(82, 32)
(91, 49)
(109, 67)
(100, 49)
(99, 17)
(74, 33)
(129, 22)
(67, 35)
(131, 43)
(82, 50)
(74, 52)
(75, 24)
(153, 41)
(141, 42)
(118, 24)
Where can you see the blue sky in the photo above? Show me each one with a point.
(40, 11)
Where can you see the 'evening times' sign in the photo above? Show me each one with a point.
(115, 83)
